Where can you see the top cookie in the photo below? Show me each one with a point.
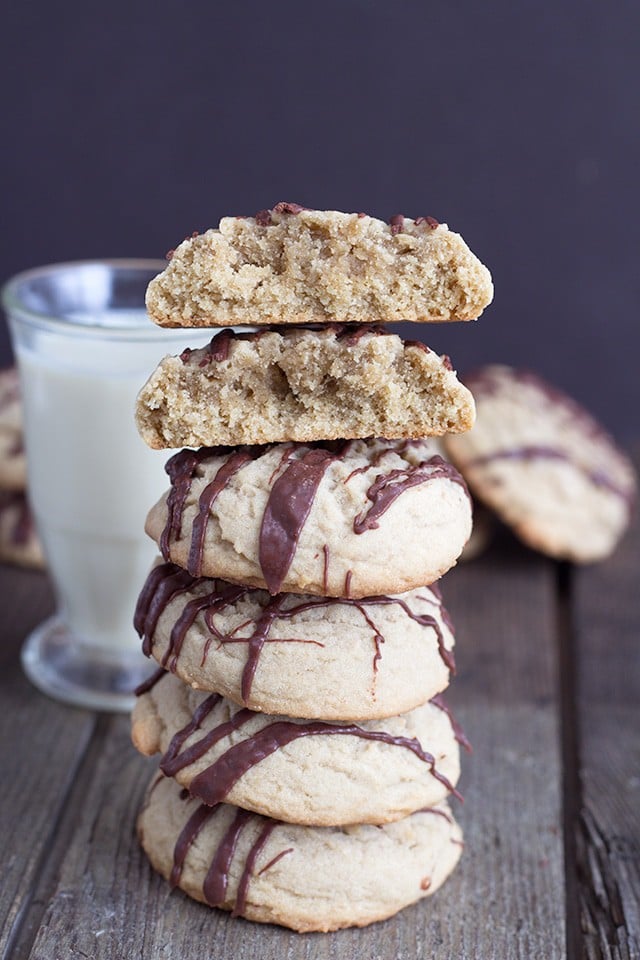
(293, 265)
(545, 466)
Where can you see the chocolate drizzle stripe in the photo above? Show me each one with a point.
(597, 477)
(216, 881)
(461, 737)
(180, 738)
(287, 509)
(187, 836)
(166, 580)
(213, 784)
(173, 761)
(207, 498)
(386, 488)
(180, 469)
(150, 682)
(274, 860)
(247, 872)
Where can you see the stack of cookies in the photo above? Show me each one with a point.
(302, 642)
(19, 542)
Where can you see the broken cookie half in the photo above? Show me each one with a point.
(293, 265)
(304, 385)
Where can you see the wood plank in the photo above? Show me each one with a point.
(504, 901)
(41, 746)
(606, 620)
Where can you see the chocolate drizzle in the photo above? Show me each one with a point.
(215, 887)
(188, 834)
(213, 784)
(180, 468)
(166, 581)
(439, 702)
(386, 488)
(290, 499)
(287, 509)
(217, 878)
(247, 872)
(207, 498)
(541, 452)
(150, 682)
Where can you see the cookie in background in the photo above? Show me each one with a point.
(546, 467)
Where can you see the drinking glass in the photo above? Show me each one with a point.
(84, 347)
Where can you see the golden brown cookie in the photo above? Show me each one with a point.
(293, 265)
(350, 519)
(545, 466)
(305, 878)
(298, 384)
(302, 771)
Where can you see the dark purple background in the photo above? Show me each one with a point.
(128, 126)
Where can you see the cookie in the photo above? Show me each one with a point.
(19, 542)
(13, 463)
(305, 878)
(351, 519)
(545, 466)
(293, 265)
(324, 658)
(301, 771)
(304, 385)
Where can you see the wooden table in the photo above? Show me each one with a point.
(548, 690)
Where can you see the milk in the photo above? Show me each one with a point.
(92, 479)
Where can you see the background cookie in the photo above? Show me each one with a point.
(293, 265)
(304, 385)
(306, 878)
(304, 656)
(357, 519)
(301, 771)
(13, 463)
(19, 542)
(545, 466)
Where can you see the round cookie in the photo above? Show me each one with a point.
(305, 878)
(545, 466)
(294, 265)
(19, 542)
(302, 771)
(313, 657)
(13, 463)
(352, 519)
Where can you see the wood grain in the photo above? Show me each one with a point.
(42, 744)
(606, 623)
(504, 901)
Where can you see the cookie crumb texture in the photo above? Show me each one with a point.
(319, 266)
(304, 878)
(301, 385)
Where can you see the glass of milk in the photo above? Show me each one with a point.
(84, 347)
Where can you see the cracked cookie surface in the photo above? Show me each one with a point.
(304, 385)
(293, 265)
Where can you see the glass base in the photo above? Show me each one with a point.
(63, 667)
